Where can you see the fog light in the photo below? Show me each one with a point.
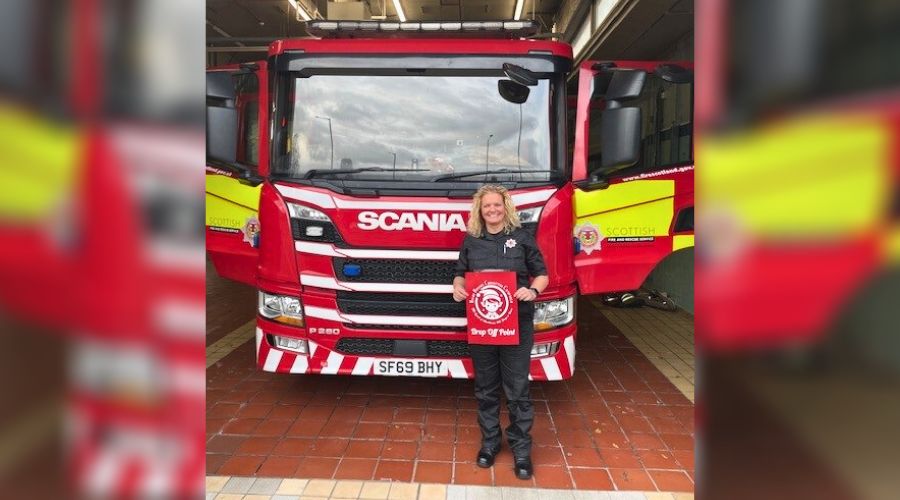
(292, 344)
(548, 349)
(315, 231)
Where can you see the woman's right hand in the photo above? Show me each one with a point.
(459, 292)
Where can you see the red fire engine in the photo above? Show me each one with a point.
(340, 173)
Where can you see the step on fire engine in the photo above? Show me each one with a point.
(340, 173)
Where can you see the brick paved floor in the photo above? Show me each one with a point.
(228, 305)
(665, 338)
(618, 424)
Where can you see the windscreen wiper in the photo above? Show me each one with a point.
(446, 177)
(331, 172)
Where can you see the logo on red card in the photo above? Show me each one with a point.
(491, 302)
(491, 309)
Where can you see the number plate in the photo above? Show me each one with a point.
(411, 367)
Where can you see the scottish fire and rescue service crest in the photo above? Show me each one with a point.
(589, 236)
(251, 231)
(491, 302)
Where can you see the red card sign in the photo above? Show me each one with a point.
(491, 309)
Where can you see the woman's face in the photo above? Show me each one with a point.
(492, 209)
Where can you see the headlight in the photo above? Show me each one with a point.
(553, 313)
(527, 215)
(281, 308)
(301, 212)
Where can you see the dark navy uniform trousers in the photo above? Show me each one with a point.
(506, 367)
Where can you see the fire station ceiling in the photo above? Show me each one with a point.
(278, 18)
(238, 30)
(645, 29)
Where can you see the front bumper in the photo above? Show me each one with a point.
(323, 360)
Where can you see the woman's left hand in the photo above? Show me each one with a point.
(525, 294)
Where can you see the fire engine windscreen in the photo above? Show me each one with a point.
(423, 126)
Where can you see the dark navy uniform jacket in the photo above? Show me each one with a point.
(516, 251)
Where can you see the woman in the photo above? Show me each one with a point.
(496, 240)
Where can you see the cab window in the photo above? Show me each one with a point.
(247, 90)
(666, 126)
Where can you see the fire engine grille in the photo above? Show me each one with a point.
(400, 304)
(329, 232)
(365, 346)
(385, 347)
(437, 272)
(418, 328)
(448, 348)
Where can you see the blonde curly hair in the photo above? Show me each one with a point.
(510, 219)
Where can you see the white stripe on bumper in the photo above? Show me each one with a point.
(331, 251)
(456, 369)
(301, 364)
(316, 198)
(551, 368)
(329, 282)
(363, 366)
(272, 360)
(569, 346)
(333, 364)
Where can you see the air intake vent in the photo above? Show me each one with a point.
(385, 347)
(400, 304)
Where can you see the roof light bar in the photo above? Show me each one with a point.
(369, 29)
(368, 25)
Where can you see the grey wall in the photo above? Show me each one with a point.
(682, 50)
(675, 275)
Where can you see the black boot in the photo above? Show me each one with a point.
(523, 468)
(486, 457)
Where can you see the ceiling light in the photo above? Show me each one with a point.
(300, 10)
(399, 10)
(519, 5)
